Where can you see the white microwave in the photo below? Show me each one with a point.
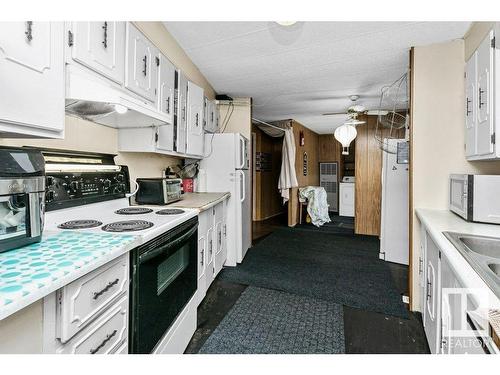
(475, 197)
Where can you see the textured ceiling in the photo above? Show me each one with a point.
(307, 69)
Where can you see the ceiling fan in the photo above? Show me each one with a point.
(355, 110)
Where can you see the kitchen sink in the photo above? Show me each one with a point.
(482, 253)
(495, 268)
(487, 246)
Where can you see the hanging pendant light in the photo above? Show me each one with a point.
(345, 134)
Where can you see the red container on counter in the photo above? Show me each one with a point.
(187, 185)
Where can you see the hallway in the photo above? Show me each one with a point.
(307, 290)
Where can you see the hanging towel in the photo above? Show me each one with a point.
(317, 205)
(288, 177)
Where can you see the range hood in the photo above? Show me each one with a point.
(101, 101)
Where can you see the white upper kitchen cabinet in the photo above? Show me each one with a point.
(470, 105)
(481, 86)
(32, 79)
(100, 46)
(180, 120)
(194, 130)
(141, 65)
(485, 121)
(166, 87)
(212, 119)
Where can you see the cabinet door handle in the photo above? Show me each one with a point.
(197, 118)
(468, 111)
(211, 247)
(145, 70)
(420, 263)
(29, 31)
(429, 287)
(183, 113)
(168, 104)
(202, 257)
(225, 230)
(481, 92)
(106, 288)
(105, 36)
(104, 342)
(220, 238)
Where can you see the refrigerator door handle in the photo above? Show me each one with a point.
(243, 195)
(242, 153)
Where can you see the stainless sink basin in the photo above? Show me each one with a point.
(495, 268)
(482, 253)
(487, 246)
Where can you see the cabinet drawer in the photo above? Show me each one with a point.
(83, 299)
(106, 335)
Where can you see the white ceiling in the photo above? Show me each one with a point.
(307, 69)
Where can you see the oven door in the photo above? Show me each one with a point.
(164, 278)
(459, 195)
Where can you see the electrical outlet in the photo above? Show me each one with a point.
(406, 299)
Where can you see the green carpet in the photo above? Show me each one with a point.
(344, 269)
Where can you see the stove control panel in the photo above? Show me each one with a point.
(65, 189)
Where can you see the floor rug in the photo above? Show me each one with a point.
(340, 268)
(267, 321)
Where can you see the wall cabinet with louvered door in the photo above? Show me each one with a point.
(100, 46)
(141, 65)
(32, 79)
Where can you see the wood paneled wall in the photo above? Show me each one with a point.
(311, 146)
(268, 201)
(368, 158)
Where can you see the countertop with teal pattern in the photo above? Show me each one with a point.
(32, 272)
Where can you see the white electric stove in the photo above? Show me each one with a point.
(117, 217)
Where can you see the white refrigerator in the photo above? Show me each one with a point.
(394, 240)
(226, 168)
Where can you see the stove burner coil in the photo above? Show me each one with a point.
(127, 226)
(79, 224)
(170, 211)
(133, 211)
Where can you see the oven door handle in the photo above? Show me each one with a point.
(161, 250)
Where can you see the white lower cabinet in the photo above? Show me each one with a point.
(221, 237)
(32, 79)
(447, 303)
(80, 301)
(422, 274)
(105, 335)
(212, 246)
(432, 305)
(90, 315)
